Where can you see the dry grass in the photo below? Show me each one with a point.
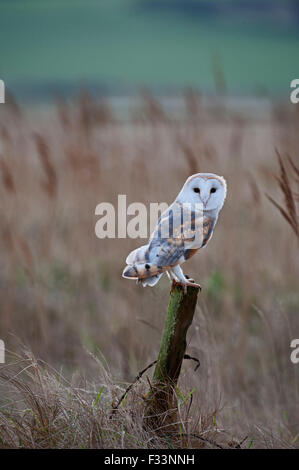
(290, 196)
(44, 410)
(62, 293)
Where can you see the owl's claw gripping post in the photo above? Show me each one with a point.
(191, 284)
(184, 285)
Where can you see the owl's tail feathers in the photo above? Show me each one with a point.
(141, 271)
(145, 273)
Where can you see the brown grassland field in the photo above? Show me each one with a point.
(77, 333)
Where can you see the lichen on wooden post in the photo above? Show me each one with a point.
(179, 317)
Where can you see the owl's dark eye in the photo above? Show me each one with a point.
(196, 190)
(213, 190)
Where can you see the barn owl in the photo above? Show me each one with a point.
(185, 227)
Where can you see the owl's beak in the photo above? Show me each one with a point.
(204, 201)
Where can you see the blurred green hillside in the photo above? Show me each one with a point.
(238, 46)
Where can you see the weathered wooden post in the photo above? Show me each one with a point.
(179, 317)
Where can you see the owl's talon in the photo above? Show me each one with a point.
(185, 285)
(193, 284)
(189, 279)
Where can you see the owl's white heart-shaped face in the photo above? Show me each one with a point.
(207, 189)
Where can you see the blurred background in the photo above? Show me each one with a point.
(131, 97)
(113, 47)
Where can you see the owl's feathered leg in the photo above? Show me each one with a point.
(172, 276)
(177, 271)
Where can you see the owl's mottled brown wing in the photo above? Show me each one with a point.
(207, 232)
(180, 232)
